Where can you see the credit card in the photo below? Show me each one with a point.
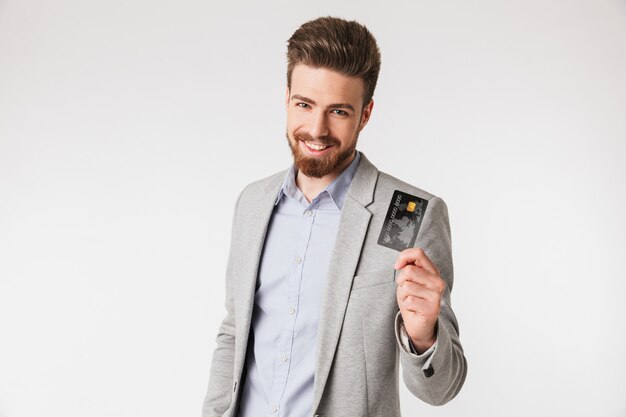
(403, 221)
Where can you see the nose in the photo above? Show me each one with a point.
(318, 125)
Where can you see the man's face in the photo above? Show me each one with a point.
(324, 117)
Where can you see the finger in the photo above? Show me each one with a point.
(418, 257)
(419, 291)
(419, 306)
(412, 273)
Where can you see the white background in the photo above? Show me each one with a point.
(128, 128)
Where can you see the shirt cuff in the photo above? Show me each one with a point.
(408, 347)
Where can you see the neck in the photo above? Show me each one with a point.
(311, 186)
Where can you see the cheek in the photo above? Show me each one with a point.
(294, 120)
(345, 131)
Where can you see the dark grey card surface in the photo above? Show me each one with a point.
(403, 221)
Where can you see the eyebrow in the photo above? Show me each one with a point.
(334, 106)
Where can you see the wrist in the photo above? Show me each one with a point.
(422, 344)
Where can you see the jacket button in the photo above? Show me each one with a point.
(428, 372)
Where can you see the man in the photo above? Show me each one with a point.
(337, 271)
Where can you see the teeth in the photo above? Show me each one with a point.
(316, 146)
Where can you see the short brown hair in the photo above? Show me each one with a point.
(336, 44)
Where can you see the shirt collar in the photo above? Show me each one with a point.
(337, 189)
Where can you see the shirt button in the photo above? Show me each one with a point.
(308, 213)
(274, 408)
(284, 358)
(298, 260)
(291, 311)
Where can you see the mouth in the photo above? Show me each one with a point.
(313, 148)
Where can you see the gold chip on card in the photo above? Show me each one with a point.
(403, 220)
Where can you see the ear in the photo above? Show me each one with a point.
(366, 114)
(287, 98)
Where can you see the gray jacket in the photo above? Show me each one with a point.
(358, 344)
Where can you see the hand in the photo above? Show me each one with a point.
(419, 296)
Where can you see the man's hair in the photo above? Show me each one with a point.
(337, 44)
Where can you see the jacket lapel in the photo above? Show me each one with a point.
(256, 228)
(353, 226)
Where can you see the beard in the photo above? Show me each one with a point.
(317, 167)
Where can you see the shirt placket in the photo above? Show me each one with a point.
(286, 340)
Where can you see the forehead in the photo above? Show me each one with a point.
(326, 86)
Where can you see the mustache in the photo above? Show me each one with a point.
(324, 140)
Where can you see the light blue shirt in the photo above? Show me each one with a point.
(280, 362)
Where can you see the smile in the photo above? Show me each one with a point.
(315, 146)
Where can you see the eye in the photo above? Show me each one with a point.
(302, 105)
(340, 112)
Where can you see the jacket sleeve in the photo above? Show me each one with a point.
(437, 375)
(220, 390)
